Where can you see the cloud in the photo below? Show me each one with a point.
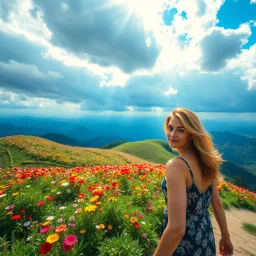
(253, 2)
(220, 45)
(106, 34)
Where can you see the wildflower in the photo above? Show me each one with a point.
(82, 231)
(45, 229)
(110, 227)
(90, 208)
(144, 236)
(23, 210)
(102, 226)
(65, 184)
(58, 193)
(62, 208)
(29, 238)
(72, 218)
(133, 219)
(46, 223)
(10, 207)
(50, 218)
(3, 195)
(126, 216)
(50, 198)
(15, 194)
(61, 228)
(26, 224)
(52, 238)
(16, 217)
(78, 210)
(40, 203)
(97, 227)
(94, 199)
(45, 248)
(69, 191)
(112, 199)
(59, 220)
(69, 242)
(136, 225)
(71, 225)
(80, 195)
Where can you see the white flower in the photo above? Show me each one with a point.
(69, 191)
(62, 207)
(65, 184)
(3, 195)
(28, 238)
(58, 193)
(143, 223)
(50, 218)
(27, 223)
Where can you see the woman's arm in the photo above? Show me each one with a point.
(177, 203)
(219, 211)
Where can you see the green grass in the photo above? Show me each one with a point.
(150, 150)
(249, 228)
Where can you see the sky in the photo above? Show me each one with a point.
(66, 58)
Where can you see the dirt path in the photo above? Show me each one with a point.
(244, 243)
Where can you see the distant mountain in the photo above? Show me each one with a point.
(221, 138)
(8, 129)
(100, 141)
(81, 133)
(63, 139)
(95, 142)
(238, 149)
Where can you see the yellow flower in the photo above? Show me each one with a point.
(126, 216)
(82, 231)
(102, 226)
(98, 203)
(111, 199)
(52, 238)
(46, 223)
(15, 194)
(94, 199)
(90, 208)
(110, 227)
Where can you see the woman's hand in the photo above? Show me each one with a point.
(226, 247)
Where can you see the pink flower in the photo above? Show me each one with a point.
(10, 207)
(40, 203)
(45, 229)
(69, 242)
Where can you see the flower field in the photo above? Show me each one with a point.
(100, 210)
(45, 150)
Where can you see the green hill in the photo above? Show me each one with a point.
(32, 151)
(156, 151)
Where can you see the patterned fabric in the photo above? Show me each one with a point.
(199, 236)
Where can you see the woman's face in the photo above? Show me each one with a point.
(177, 136)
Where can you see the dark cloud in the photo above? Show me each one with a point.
(103, 32)
(219, 45)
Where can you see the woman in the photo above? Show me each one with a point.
(189, 187)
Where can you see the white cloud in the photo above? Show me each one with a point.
(253, 2)
(171, 91)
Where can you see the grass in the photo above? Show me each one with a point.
(249, 228)
(149, 150)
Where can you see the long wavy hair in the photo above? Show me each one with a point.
(208, 156)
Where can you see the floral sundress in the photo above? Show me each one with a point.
(199, 236)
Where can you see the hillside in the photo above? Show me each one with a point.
(149, 150)
(36, 151)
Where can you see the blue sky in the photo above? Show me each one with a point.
(66, 58)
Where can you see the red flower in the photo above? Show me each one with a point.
(114, 184)
(50, 198)
(22, 211)
(136, 224)
(16, 217)
(45, 248)
(29, 217)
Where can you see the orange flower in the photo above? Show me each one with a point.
(102, 226)
(110, 227)
(61, 228)
(82, 231)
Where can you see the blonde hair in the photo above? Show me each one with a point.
(209, 158)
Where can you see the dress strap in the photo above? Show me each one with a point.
(187, 166)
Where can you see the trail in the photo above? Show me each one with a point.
(244, 243)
